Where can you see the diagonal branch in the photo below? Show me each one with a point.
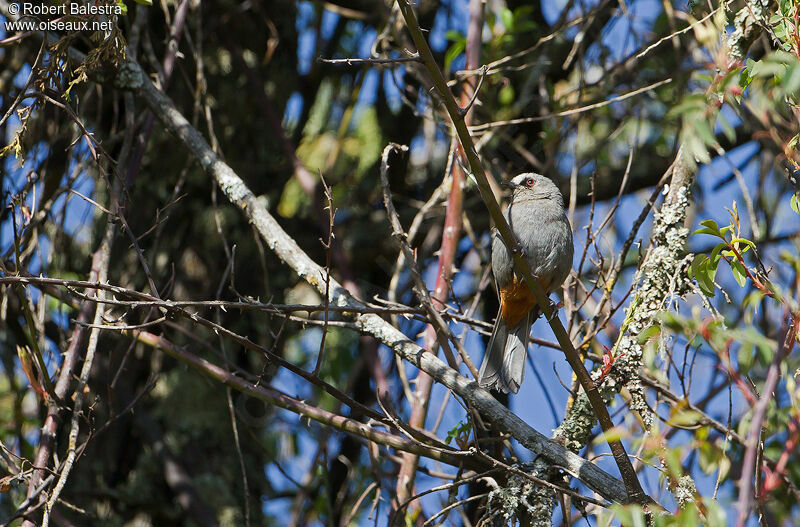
(443, 333)
(521, 265)
(451, 233)
(132, 77)
(759, 411)
(274, 397)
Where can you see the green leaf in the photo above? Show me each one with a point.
(768, 68)
(697, 148)
(696, 261)
(764, 349)
(523, 12)
(524, 25)
(454, 51)
(506, 95)
(123, 7)
(711, 224)
(791, 82)
(695, 103)
(673, 462)
(708, 456)
(794, 202)
(144, 2)
(746, 357)
(781, 32)
(745, 241)
(639, 519)
(454, 35)
(292, 200)
(739, 272)
(706, 230)
(614, 434)
(689, 516)
(724, 468)
(686, 418)
(703, 130)
(727, 129)
(706, 77)
(672, 321)
(702, 274)
(745, 78)
(507, 17)
(710, 227)
(711, 269)
(648, 333)
(461, 429)
(715, 256)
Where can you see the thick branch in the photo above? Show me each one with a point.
(521, 264)
(276, 398)
(132, 76)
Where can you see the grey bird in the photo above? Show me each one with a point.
(536, 216)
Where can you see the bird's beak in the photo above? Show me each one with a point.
(508, 184)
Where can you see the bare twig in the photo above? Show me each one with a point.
(451, 234)
(288, 250)
(759, 411)
(573, 111)
(359, 62)
(326, 297)
(86, 369)
(442, 330)
(277, 398)
(634, 489)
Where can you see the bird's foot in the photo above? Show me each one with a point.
(554, 307)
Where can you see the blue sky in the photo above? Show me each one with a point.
(622, 36)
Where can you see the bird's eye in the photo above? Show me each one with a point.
(530, 182)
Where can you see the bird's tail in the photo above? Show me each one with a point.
(504, 363)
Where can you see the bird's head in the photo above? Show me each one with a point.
(533, 186)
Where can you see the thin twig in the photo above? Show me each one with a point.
(288, 251)
(573, 111)
(83, 380)
(442, 331)
(759, 412)
(359, 62)
(633, 487)
(326, 297)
